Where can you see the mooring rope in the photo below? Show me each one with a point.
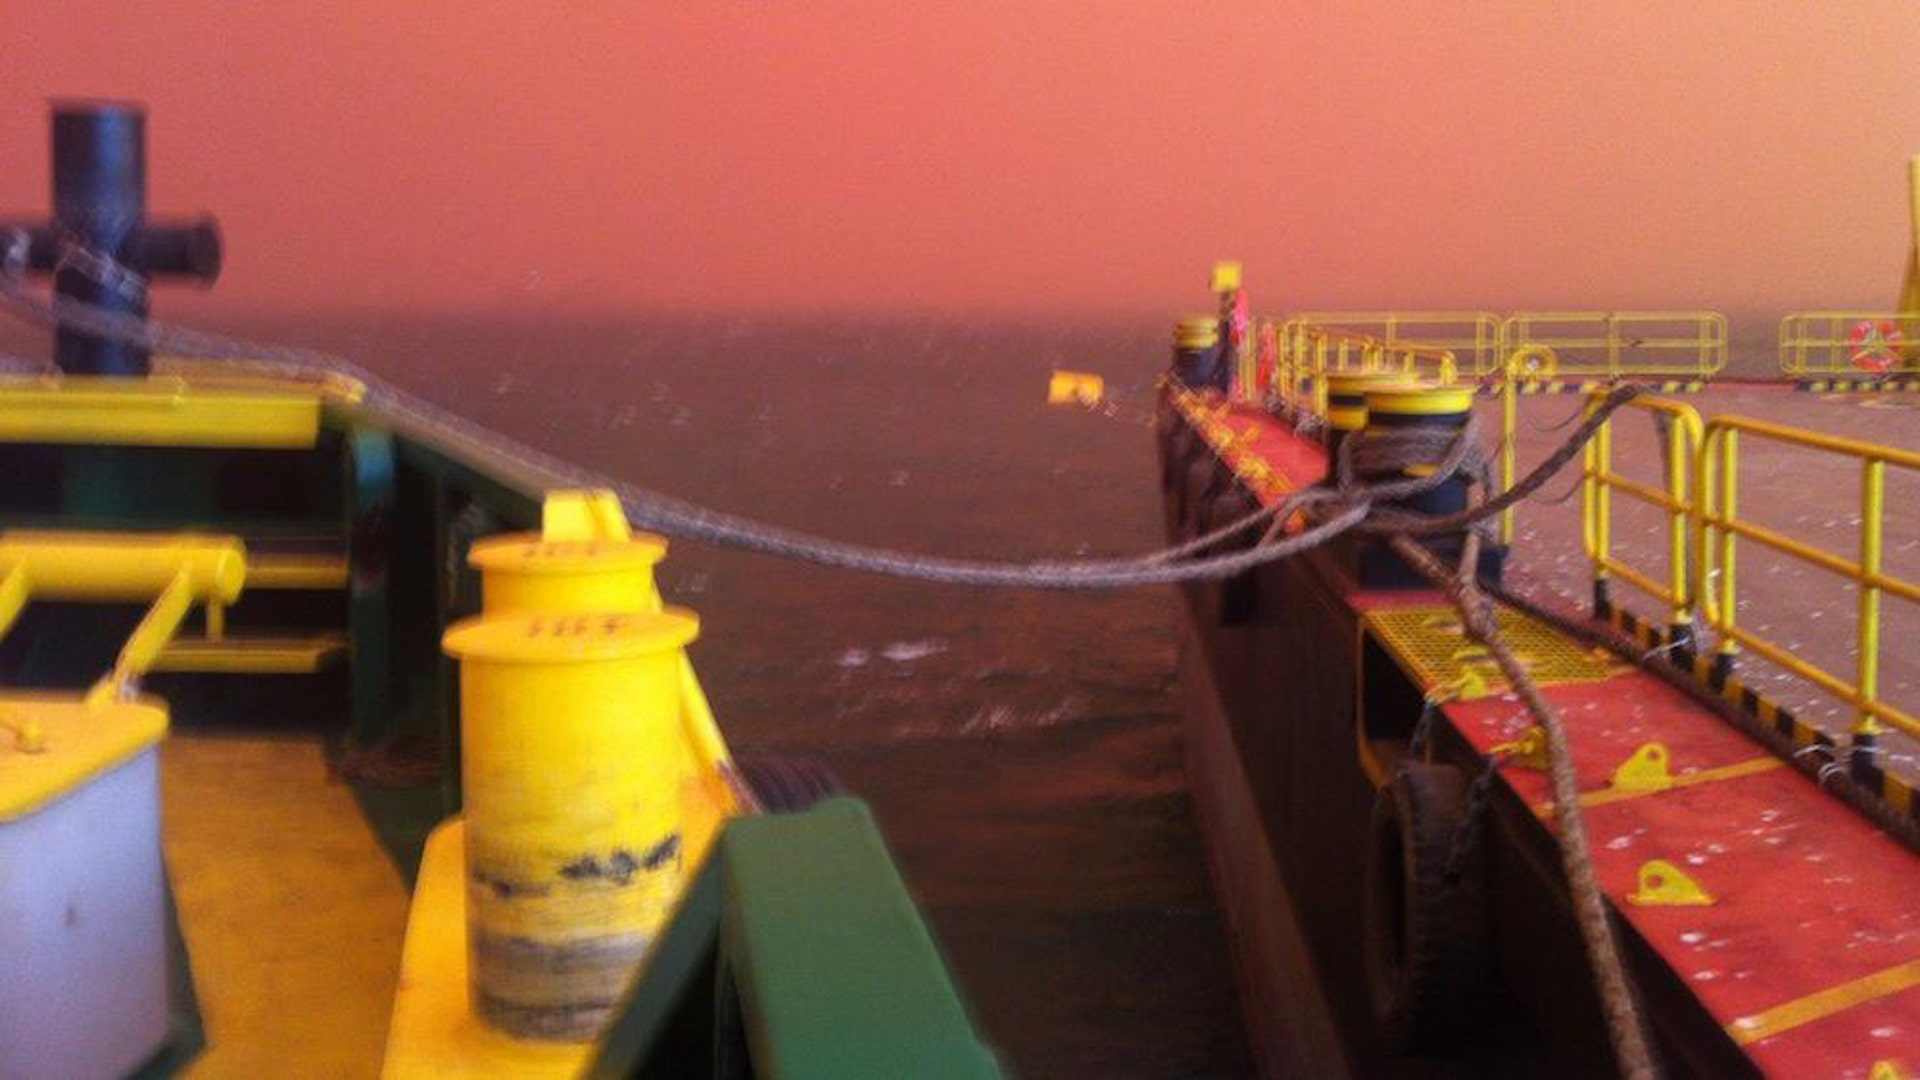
(652, 510)
(1631, 1051)
(1353, 501)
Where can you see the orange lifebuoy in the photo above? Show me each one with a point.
(1875, 344)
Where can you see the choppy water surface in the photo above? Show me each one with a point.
(1020, 749)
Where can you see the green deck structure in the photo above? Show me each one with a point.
(798, 954)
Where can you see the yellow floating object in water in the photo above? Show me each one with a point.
(1075, 388)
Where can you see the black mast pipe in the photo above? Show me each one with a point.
(99, 199)
(100, 247)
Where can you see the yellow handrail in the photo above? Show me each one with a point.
(1599, 481)
(1522, 365)
(1717, 477)
(1308, 352)
(1620, 344)
(1861, 343)
(1701, 501)
(171, 570)
(1473, 337)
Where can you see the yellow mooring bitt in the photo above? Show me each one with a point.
(595, 781)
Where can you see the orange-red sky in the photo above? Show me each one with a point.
(1024, 156)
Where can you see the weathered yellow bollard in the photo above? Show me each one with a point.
(572, 756)
(585, 561)
(1444, 409)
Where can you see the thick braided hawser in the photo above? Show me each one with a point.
(1348, 504)
(648, 509)
(1631, 1051)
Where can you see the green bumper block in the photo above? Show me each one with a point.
(798, 954)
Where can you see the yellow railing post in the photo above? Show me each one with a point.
(1713, 544)
(1320, 376)
(1866, 572)
(1509, 426)
(1679, 521)
(1302, 372)
(1592, 467)
(1680, 591)
(1873, 480)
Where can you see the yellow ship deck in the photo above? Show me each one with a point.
(292, 913)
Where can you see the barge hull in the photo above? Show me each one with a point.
(1281, 687)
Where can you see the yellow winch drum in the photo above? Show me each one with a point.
(1419, 404)
(575, 852)
(1447, 409)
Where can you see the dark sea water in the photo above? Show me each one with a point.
(1021, 749)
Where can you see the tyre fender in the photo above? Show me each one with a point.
(1424, 932)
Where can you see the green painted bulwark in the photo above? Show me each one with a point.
(797, 953)
(836, 972)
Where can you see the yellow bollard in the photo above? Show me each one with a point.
(526, 572)
(1410, 405)
(572, 754)
(571, 567)
(1347, 400)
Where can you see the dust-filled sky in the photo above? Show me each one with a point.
(1037, 156)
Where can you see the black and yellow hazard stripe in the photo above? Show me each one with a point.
(1535, 387)
(1893, 790)
(1870, 385)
